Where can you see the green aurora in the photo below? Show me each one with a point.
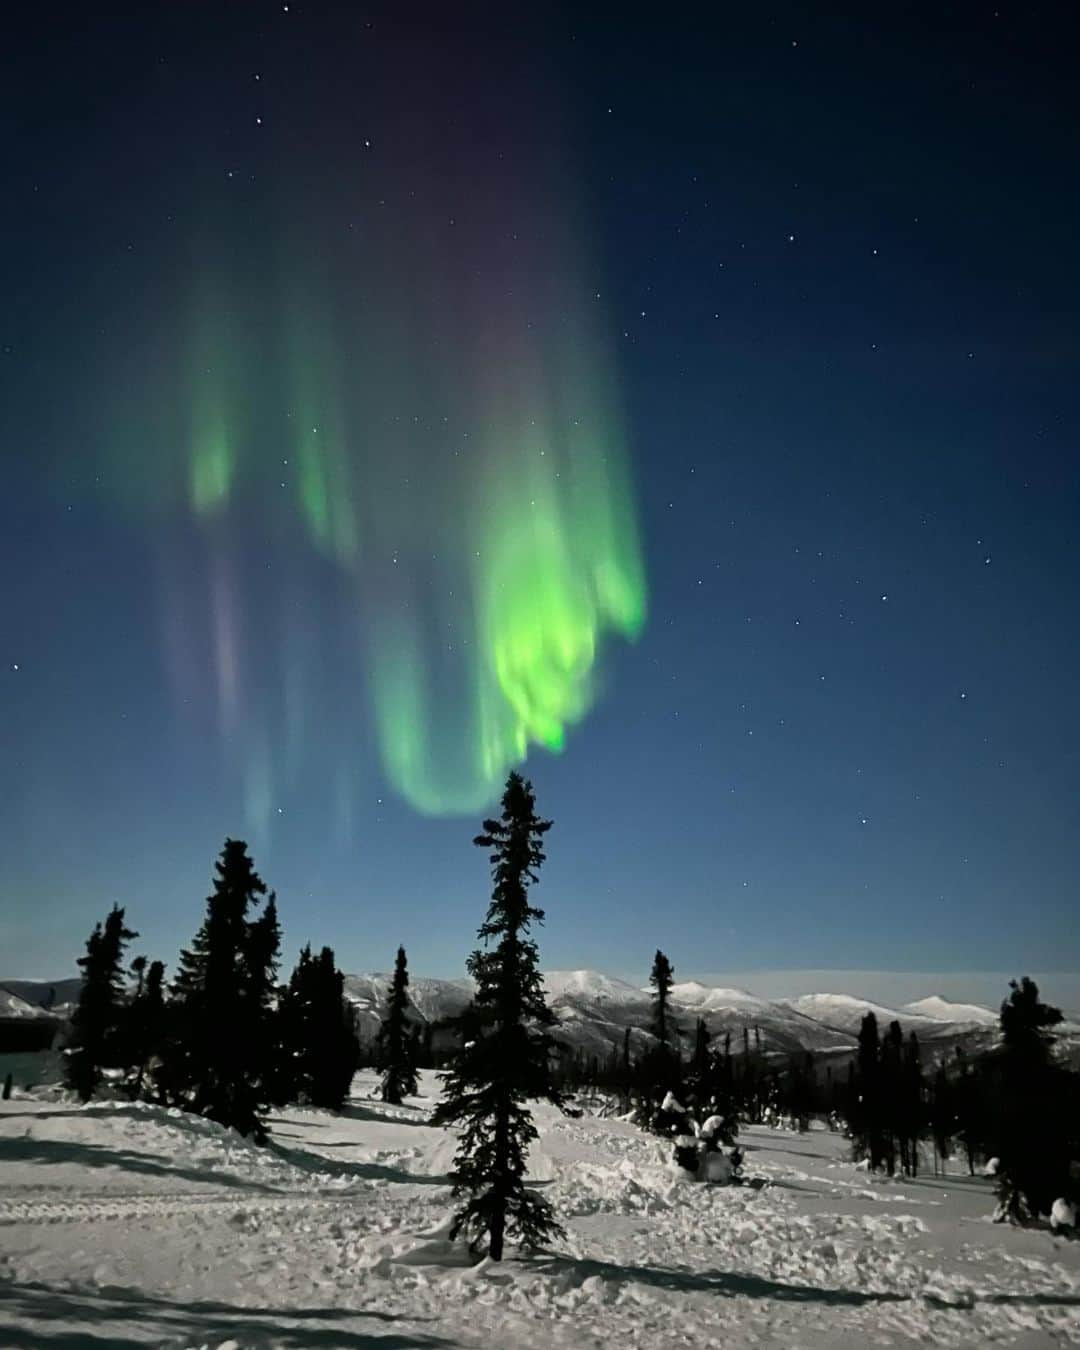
(447, 443)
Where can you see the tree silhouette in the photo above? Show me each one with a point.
(396, 1041)
(661, 978)
(1031, 1133)
(504, 1059)
(95, 1038)
(217, 1057)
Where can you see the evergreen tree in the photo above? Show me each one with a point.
(658, 1070)
(699, 1077)
(942, 1115)
(505, 1057)
(318, 1048)
(398, 1045)
(145, 1019)
(95, 1040)
(661, 978)
(217, 1059)
(1031, 1134)
(864, 1108)
(968, 1105)
(890, 1100)
(912, 1115)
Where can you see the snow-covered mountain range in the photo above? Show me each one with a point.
(594, 1011)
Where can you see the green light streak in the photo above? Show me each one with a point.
(553, 567)
(211, 465)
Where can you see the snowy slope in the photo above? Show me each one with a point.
(845, 1013)
(128, 1225)
(13, 1006)
(589, 986)
(942, 1010)
(60, 995)
(432, 1000)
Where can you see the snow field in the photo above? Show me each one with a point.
(130, 1225)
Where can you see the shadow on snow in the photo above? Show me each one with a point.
(55, 1151)
(33, 1306)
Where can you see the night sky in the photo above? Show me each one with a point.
(684, 402)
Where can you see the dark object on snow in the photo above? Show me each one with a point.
(686, 1153)
(7, 1088)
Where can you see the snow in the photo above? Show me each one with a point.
(123, 1224)
(691, 994)
(13, 1006)
(716, 1167)
(590, 986)
(942, 1010)
(1062, 1214)
(844, 1011)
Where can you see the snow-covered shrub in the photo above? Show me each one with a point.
(1063, 1216)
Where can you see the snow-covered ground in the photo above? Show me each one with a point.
(131, 1225)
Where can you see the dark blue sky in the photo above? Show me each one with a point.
(836, 259)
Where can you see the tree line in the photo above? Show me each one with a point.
(224, 1040)
(1012, 1111)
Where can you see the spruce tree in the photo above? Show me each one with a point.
(397, 1043)
(661, 978)
(95, 1038)
(505, 1057)
(216, 1059)
(145, 1019)
(1031, 1137)
(864, 1106)
(658, 1070)
(891, 1095)
(913, 1114)
(336, 1054)
(699, 1075)
(318, 1049)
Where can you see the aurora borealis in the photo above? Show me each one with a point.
(682, 408)
(436, 413)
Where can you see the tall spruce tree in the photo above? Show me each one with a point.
(913, 1110)
(216, 1058)
(865, 1107)
(318, 1048)
(145, 1019)
(659, 1067)
(397, 1043)
(891, 1095)
(95, 1039)
(1030, 1134)
(505, 1058)
(661, 978)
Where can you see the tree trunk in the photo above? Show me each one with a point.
(498, 1217)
